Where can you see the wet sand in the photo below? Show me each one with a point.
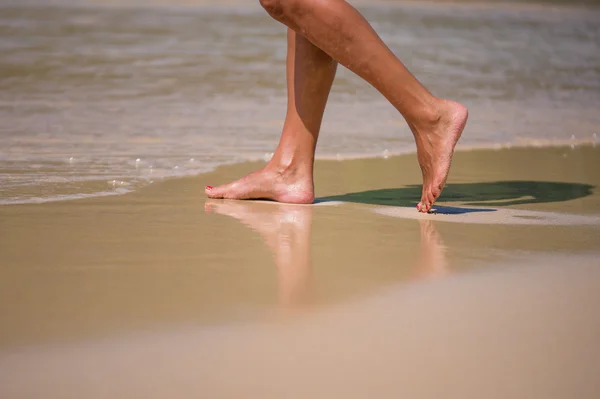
(517, 331)
(175, 283)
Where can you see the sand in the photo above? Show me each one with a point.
(517, 331)
(352, 295)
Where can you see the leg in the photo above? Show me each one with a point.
(288, 177)
(339, 30)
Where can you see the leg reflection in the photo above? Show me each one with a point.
(432, 255)
(286, 229)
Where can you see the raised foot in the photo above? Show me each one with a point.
(270, 183)
(435, 148)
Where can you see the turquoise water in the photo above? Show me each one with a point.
(102, 97)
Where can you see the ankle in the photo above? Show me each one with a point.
(291, 160)
(290, 165)
(432, 112)
(427, 117)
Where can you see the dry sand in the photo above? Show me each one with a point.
(162, 293)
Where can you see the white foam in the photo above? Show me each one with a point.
(145, 172)
(63, 197)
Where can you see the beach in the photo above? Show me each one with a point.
(104, 97)
(165, 272)
(120, 279)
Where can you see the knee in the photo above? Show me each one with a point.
(283, 9)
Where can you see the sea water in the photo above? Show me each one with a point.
(103, 97)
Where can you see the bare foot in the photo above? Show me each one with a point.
(435, 147)
(282, 184)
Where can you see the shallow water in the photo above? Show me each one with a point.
(99, 98)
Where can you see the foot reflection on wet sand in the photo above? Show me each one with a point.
(286, 230)
(432, 255)
(419, 340)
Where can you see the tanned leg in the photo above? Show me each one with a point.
(288, 177)
(341, 31)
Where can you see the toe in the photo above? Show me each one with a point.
(422, 202)
(430, 201)
(214, 192)
(427, 200)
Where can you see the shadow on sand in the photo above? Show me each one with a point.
(493, 194)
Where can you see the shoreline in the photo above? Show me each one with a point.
(165, 256)
(571, 144)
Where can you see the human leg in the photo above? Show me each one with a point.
(342, 32)
(288, 177)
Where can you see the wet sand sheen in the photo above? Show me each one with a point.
(164, 258)
(157, 256)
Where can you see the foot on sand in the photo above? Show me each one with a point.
(282, 184)
(294, 183)
(435, 147)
